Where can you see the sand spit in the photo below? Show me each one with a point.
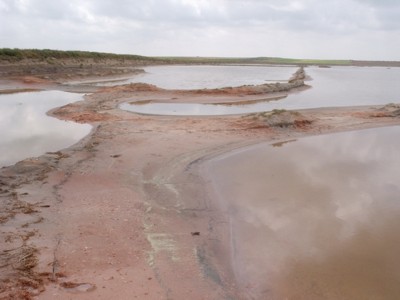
(124, 213)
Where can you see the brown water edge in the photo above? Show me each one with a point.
(314, 219)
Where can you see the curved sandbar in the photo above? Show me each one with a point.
(125, 211)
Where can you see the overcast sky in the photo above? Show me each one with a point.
(334, 29)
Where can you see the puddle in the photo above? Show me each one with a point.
(26, 130)
(331, 87)
(316, 218)
(74, 288)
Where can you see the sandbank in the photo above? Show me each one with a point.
(124, 213)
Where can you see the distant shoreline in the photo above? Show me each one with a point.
(82, 58)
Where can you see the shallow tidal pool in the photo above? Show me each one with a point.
(208, 76)
(330, 87)
(27, 131)
(314, 218)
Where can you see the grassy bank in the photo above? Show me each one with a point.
(252, 60)
(21, 54)
(47, 55)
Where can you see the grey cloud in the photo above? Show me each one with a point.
(204, 27)
(380, 3)
(307, 14)
(386, 12)
(389, 18)
(160, 10)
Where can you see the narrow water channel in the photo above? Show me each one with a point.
(314, 218)
(26, 130)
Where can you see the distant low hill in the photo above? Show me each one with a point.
(275, 61)
(20, 54)
(253, 60)
(49, 56)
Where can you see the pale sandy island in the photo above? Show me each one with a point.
(124, 214)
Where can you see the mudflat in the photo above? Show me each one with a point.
(125, 213)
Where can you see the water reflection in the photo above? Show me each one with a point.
(27, 131)
(200, 77)
(331, 87)
(348, 86)
(317, 218)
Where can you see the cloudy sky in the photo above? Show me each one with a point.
(334, 29)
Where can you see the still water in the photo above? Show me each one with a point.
(26, 130)
(331, 87)
(316, 218)
(200, 77)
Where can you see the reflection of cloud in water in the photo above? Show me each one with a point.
(26, 129)
(333, 87)
(198, 77)
(315, 211)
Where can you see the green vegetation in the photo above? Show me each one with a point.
(279, 60)
(281, 118)
(20, 54)
(15, 55)
(254, 60)
(278, 111)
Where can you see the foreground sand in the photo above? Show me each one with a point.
(124, 214)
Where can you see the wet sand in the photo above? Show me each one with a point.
(125, 213)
